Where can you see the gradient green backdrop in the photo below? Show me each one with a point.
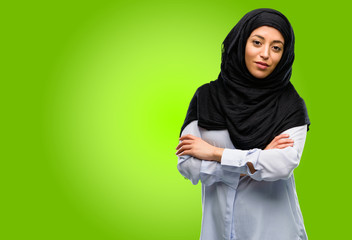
(94, 94)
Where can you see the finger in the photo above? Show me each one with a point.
(281, 146)
(188, 136)
(274, 142)
(184, 142)
(183, 148)
(281, 136)
(187, 152)
(285, 140)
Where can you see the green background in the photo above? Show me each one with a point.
(93, 97)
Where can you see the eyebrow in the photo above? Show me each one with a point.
(275, 41)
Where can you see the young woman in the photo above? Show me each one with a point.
(244, 134)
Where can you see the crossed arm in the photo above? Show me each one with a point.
(198, 148)
(199, 160)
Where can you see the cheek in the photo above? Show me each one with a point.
(276, 59)
(249, 54)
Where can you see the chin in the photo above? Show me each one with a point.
(260, 75)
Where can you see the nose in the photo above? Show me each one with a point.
(265, 53)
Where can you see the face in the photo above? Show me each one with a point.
(264, 50)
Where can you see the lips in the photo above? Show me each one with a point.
(262, 65)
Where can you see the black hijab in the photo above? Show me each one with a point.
(253, 110)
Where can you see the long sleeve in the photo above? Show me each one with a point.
(270, 165)
(187, 165)
(208, 172)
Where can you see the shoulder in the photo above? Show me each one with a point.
(298, 133)
(202, 88)
(191, 128)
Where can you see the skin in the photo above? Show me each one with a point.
(265, 44)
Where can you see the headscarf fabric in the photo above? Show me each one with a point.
(253, 110)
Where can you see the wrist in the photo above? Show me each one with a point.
(218, 154)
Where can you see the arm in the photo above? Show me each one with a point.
(271, 164)
(197, 168)
(189, 166)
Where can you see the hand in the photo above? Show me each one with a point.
(197, 147)
(280, 142)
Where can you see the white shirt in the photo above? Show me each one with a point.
(259, 206)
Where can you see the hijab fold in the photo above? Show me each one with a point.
(253, 110)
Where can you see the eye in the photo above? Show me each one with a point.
(256, 43)
(276, 48)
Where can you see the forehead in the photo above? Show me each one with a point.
(268, 33)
